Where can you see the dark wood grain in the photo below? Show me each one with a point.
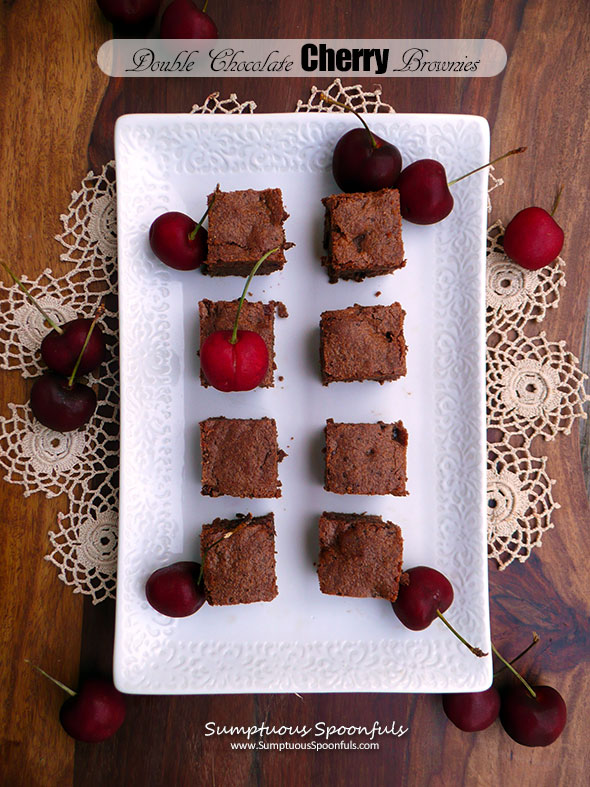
(540, 100)
(48, 101)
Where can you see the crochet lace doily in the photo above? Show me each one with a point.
(535, 386)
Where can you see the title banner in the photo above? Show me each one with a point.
(297, 57)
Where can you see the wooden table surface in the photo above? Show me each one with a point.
(57, 115)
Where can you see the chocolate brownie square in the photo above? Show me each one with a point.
(240, 457)
(238, 557)
(255, 316)
(360, 556)
(363, 234)
(363, 343)
(366, 459)
(243, 225)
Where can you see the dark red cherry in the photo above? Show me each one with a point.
(241, 366)
(182, 19)
(95, 712)
(533, 721)
(424, 194)
(363, 161)
(533, 238)
(472, 711)
(424, 189)
(174, 241)
(129, 12)
(175, 590)
(59, 406)
(425, 591)
(60, 351)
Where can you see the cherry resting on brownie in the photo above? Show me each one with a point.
(236, 360)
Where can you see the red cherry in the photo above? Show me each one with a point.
(424, 194)
(359, 165)
(426, 591)
(362, 161)
(60, 351)
(424, 190)
(175, 590)
(95, 713)
(129, 12)
(533, 721)
(472, 711)
(533, 238)
(171, 241)
(234, 367)
(58, 405)
(182, 19)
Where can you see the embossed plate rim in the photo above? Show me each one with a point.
(148, 657)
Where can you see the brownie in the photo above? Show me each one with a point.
(360, 556)
(363, 343)
(243, 225)
(366, 459)
(255, 316)
(240, 457)
(363, 234)
(238, 557)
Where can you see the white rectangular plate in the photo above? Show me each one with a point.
(302, 641)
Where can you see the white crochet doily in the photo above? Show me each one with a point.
(535, 386)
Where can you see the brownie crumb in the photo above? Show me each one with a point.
(282, 310)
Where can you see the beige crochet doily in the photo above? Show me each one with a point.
(535, 387)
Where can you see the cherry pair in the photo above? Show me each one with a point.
(72, 349)
(531, 715)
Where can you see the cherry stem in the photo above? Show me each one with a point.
(205, 6)
(514, 672)
(557, 198)
(229, 533)
(95, 319)
(193, 234)
(30, 298)
(476, 651)
(55, 680)
(521, 654)
(489, 164)
(348, 108)
(234, 336)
